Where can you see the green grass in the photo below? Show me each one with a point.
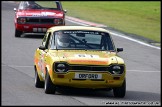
(136, 17)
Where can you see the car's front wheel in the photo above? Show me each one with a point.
(17, 33)
(120, 91)
(49, 87)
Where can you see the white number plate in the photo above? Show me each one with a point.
(39, 29)
(87, 76)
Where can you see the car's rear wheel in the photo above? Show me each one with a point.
(120, 91)
(38, 83)
(17, 33)
(49, 87)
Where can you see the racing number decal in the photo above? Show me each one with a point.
(86, 56)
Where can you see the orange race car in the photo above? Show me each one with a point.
(79, 57)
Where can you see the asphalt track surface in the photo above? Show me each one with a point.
(17, 72)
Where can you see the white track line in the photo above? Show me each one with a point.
(120, 35)
(77, 22)
(134, 40)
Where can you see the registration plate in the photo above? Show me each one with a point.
(87, 76)
(39, 29)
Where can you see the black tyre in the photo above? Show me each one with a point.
(49, 87)
(120, 91)
(38, 83)
(17, 33)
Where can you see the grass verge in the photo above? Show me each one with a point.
(136, 17)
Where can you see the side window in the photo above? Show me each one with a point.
(46, 39)
(53, 46)
(50, 41)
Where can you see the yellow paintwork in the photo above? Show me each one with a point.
(105, 59)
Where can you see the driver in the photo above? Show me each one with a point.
(63, 40)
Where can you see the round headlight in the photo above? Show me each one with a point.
(61, 67)
(116, 69)
(58, 21)
(22, 20)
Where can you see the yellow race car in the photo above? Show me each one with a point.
(79, 57)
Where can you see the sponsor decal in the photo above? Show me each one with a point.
(83, 32)
(41, 14)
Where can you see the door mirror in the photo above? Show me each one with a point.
(65, 11)
(119, 49)
(15, 9)
(42, 47)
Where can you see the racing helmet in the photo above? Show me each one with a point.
(63, 40)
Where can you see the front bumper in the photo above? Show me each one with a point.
(34, 28)
(107, 81)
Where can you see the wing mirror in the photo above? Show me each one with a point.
(65, 11)
(15, 9)
(119, 49)
(42, 47)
